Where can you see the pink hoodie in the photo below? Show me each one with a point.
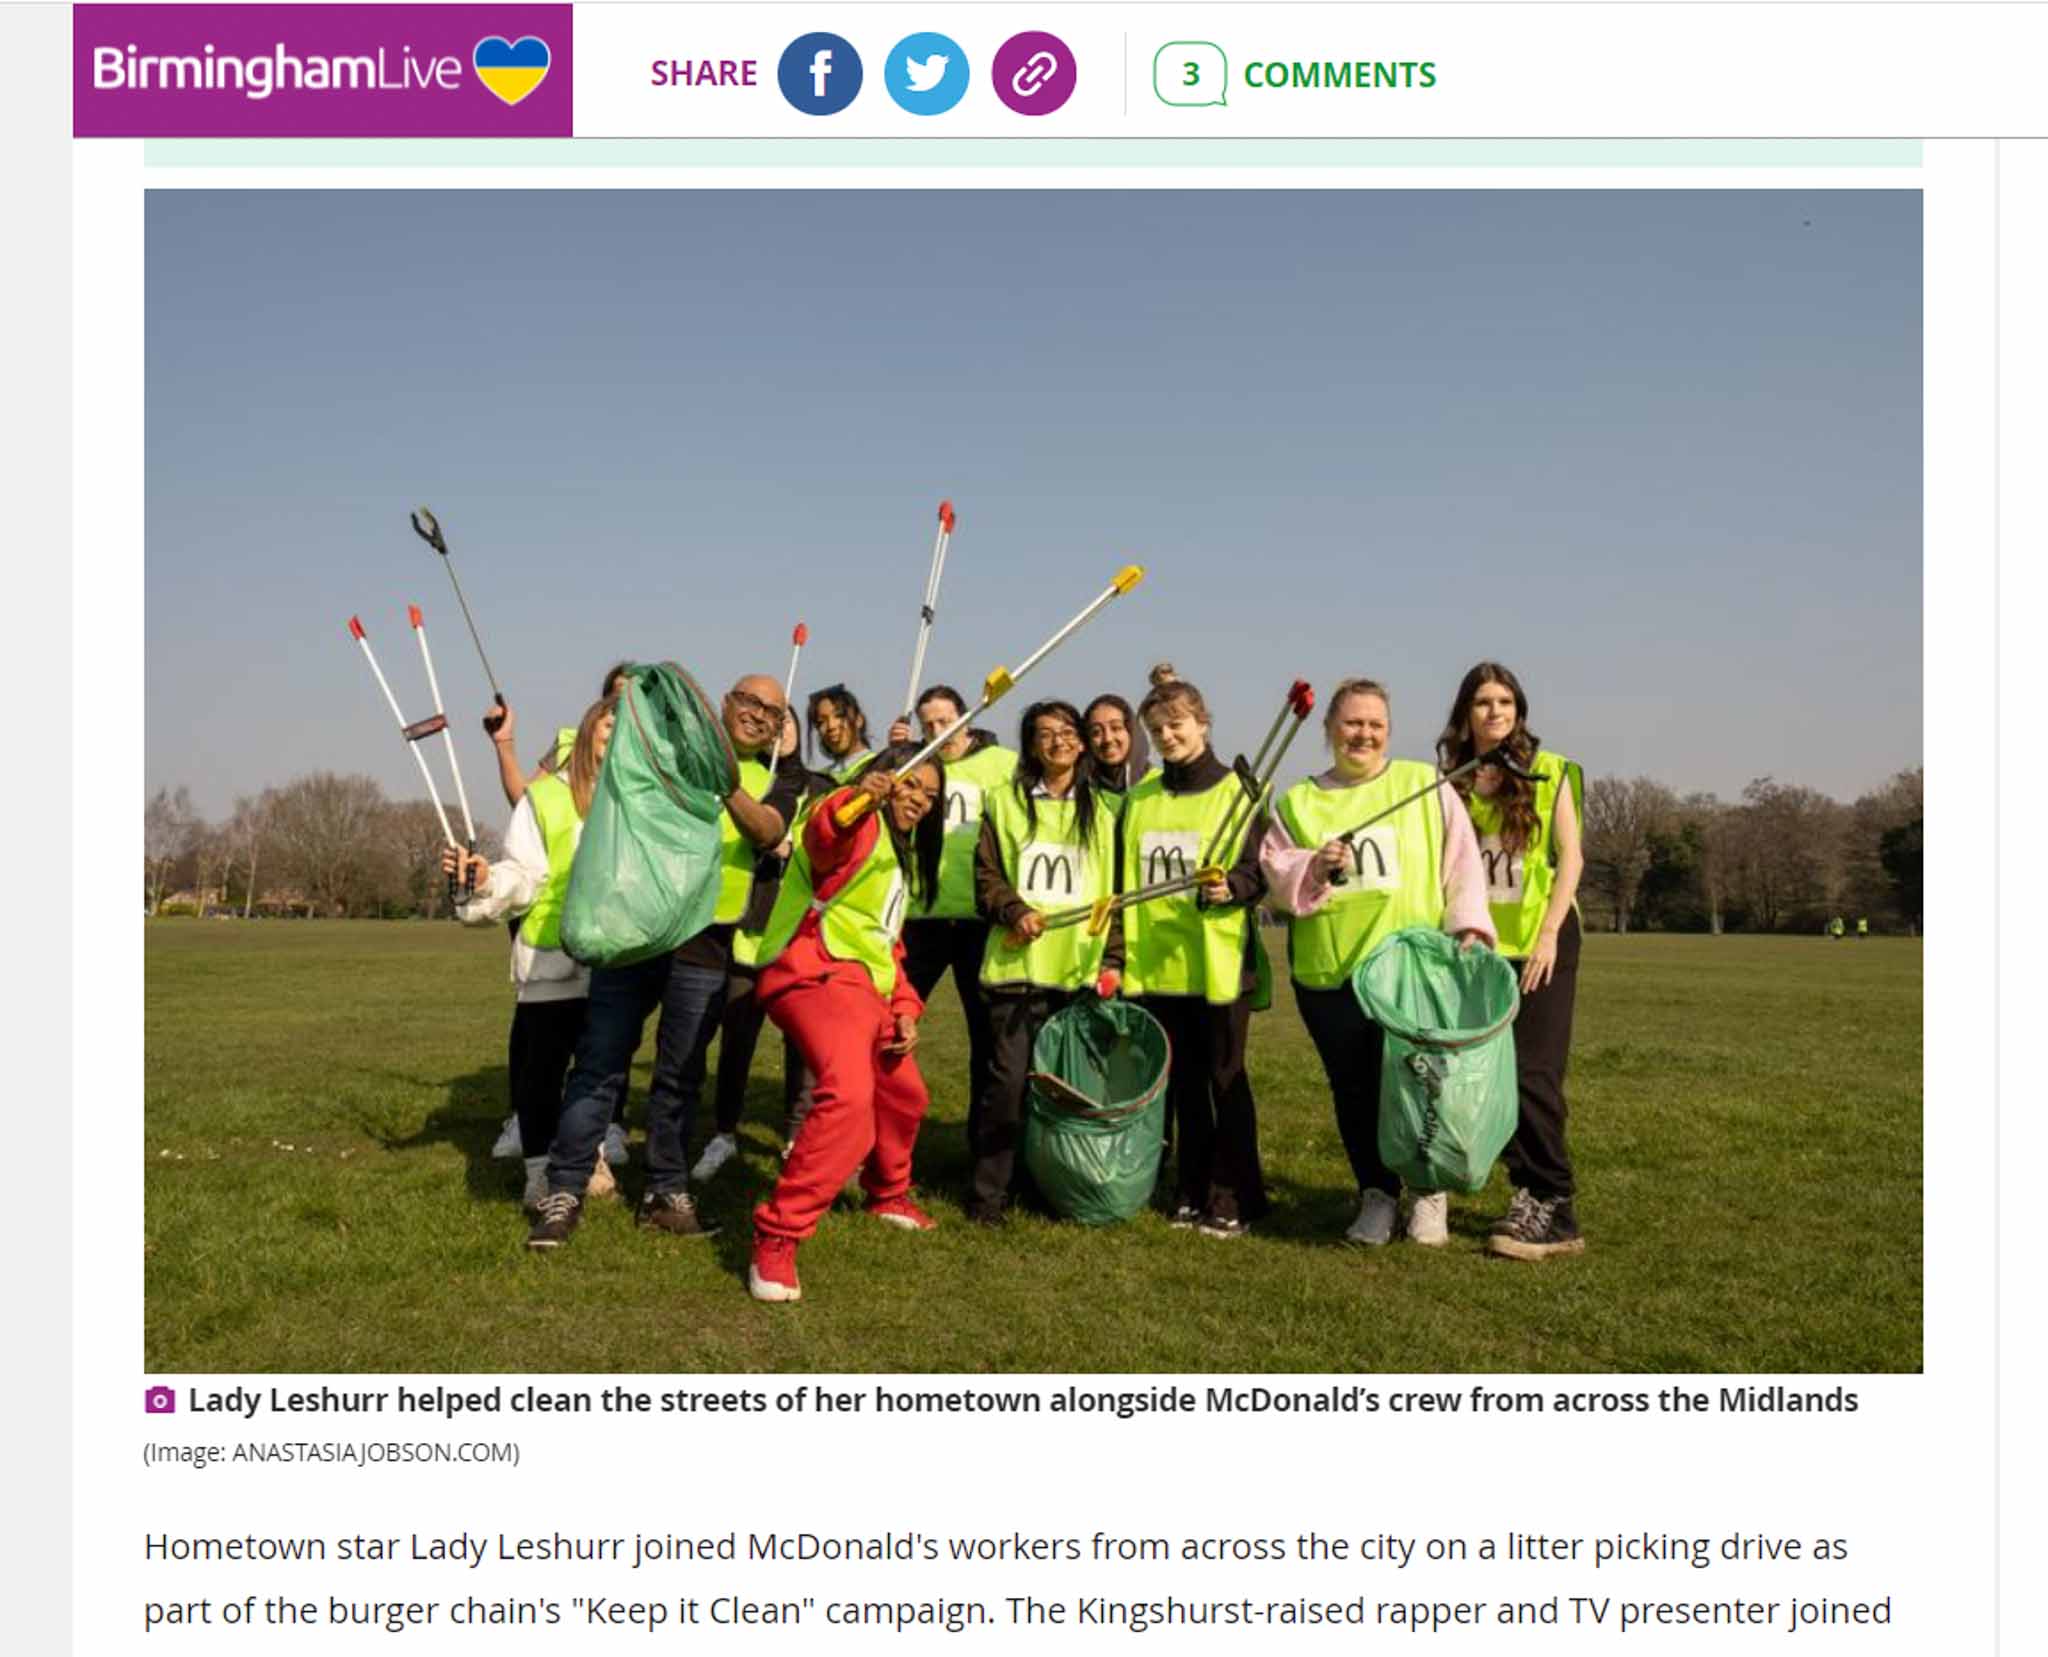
(1296, 885)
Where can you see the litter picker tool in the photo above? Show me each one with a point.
(997, 686)
(1254, 790)
(797, 641)
(419, 627)
(1493, 756)
(929, 610)
(414, 734)
(428, 528)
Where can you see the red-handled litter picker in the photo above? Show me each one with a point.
(996, 686)
(428, 528)
(1341, 875)
(797, 641)
(1255, 789)
(419, 627)
(414, 734)
(929, 610)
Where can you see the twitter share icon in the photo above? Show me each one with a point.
(925, 73)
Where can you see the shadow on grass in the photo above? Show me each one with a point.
(472, 1110)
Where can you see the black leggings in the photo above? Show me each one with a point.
(1209, 1097)
(1351, 1047)
(929, 948)
(1536, 1157)
(543, 1042)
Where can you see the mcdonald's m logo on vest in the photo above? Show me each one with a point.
(1165, 863)
(1045, 870)
(1360, 845)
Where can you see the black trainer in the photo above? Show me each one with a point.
(674, 1212)
(554, 1218)
(1546, 1228)
(1517, 1215)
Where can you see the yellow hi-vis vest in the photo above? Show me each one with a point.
(1172, 946)
(561, 830)
(736, 853)
(859, 922)
(969, 781)
(1051, 868)
(1396, 876)
(1519, 883)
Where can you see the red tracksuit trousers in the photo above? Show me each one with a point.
(866, 1105)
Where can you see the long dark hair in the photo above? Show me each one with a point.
(917, 850)
(1516, 797)
(1119, 777)
(1030, 772)
(849, 708)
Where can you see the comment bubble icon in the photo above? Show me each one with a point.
(1190, 73)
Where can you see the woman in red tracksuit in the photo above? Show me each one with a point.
(833, 981)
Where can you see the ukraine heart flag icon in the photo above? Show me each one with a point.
(509, 69)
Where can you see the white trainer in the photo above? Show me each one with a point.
(720, 1150)
(1429, 1221)
(508, 1148)
(615, 1145)
(1375, 1222)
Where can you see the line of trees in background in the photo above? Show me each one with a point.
(320, 845)
(1780, 859)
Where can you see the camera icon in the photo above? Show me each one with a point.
(159, 1401)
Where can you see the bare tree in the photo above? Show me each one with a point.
(1868, 887)
(414, 830)
(167, 820)
(213, 854)
(1715, 831)
(247, 831)
(328, 832)
(1789, 853)
(1622, 817)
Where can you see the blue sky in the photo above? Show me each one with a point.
(1658, 451)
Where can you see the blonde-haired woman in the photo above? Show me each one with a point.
(529, 883)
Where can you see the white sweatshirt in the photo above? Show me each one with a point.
(516, 881)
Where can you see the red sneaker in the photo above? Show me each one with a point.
(772, 1273)
(901, 1211)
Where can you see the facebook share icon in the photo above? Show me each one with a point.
(925, 73)
(819, 73)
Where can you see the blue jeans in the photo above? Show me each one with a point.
(690, 999)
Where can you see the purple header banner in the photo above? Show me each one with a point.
(322, 72)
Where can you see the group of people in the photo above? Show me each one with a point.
(847, 892)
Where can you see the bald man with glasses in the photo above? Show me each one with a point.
(688, 985)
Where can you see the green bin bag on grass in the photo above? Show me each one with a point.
(1096, 1118)
(646, 871)
(1447, 1082)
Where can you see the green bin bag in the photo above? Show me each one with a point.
(646, 872)
(1096, 1118)
(1447, 1082)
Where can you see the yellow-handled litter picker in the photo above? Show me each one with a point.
(997, 686)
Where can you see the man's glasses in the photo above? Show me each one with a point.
(746, 703)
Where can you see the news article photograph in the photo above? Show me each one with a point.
(1169, 781)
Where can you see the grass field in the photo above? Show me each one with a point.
(321, 1100)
